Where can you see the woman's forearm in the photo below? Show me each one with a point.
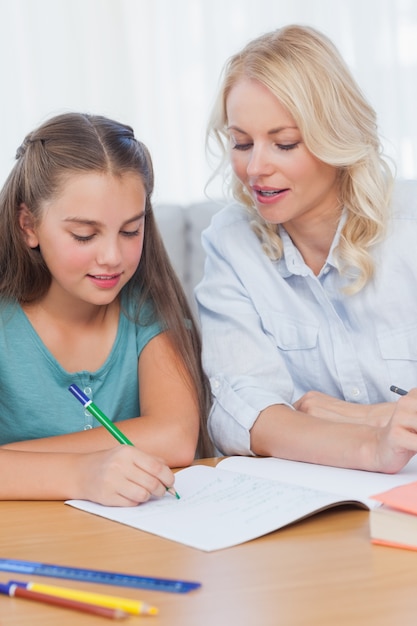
(282, 432)
(327, 407)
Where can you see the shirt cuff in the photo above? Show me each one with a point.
(232, 416)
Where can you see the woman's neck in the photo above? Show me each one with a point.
(314, 238)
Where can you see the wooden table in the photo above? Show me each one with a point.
(321, 571)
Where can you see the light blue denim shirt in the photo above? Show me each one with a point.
(272, 330)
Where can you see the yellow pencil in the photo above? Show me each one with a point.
(134, 607)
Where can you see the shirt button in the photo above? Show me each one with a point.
(216, 384)
(355, 391)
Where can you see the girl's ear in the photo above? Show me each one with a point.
(27, 225)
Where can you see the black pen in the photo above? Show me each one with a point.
(401, 392)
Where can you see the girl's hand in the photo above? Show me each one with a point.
(121, 476)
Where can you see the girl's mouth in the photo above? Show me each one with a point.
(106, 281)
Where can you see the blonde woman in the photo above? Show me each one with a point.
(309, 299)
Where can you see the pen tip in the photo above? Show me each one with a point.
(173, 492)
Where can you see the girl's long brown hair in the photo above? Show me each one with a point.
(80, 143)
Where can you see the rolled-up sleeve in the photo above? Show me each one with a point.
(240, 357)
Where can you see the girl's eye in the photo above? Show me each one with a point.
(82, 239)
(130, 233)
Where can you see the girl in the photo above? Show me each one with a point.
(88, 296)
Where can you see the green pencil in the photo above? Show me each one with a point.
(106, 422)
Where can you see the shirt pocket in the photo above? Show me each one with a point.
(297, 341)
(399, 343)
(398, 348)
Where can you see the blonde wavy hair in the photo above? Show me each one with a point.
(307, 74)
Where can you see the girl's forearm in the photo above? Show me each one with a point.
(171, 441)
(37, 476)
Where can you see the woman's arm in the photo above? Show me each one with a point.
(327, 407)
(282, 432)
(169, 425)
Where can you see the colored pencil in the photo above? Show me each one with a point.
(65, 603)
(135, 607)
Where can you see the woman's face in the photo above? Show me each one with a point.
(287, 183)
(91, 236)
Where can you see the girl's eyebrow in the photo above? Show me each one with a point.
(86, 222)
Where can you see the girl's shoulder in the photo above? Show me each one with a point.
(137, 308)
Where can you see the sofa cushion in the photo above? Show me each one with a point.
(171, 223)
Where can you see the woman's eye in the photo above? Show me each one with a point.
(288, 146)
(242, 146)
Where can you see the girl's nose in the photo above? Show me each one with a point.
(109, 252)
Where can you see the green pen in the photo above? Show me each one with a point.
(104, 420)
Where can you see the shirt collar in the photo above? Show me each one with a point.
(292, 261)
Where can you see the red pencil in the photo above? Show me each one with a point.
(21, 592)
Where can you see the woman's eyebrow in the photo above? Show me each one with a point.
(273, 131)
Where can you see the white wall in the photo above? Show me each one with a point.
(155, 65)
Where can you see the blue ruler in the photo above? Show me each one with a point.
(97, 576)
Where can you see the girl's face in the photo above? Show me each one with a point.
(287, 183)
(90, 235)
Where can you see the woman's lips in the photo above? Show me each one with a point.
(268, 196)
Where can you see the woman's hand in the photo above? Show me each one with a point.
(121, 476)
(397, 441)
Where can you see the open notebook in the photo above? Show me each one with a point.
(244, 498)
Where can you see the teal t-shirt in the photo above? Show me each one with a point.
(34, 397)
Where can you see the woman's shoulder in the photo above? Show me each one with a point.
(404, 200)
(231, 214)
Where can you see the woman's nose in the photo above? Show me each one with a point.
(260, 162)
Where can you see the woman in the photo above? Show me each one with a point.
(309, 297)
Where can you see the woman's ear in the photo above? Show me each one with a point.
(27, 225)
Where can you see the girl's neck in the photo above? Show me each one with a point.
(79, 338)
(71, 313)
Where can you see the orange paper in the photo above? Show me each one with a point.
(402, 498)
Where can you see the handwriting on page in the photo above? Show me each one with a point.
(219, 508)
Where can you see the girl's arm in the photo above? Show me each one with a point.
(121, 476)
(169, 425)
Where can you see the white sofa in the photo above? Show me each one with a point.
(181, 228)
